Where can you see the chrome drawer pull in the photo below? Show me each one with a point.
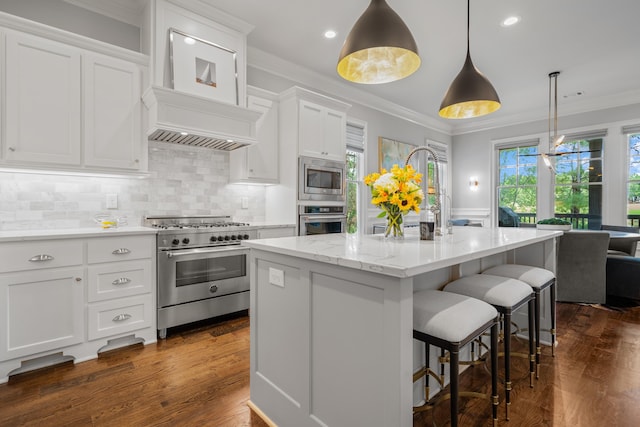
(39, 258)
(121, 281)
(122, 317)
(121, 251)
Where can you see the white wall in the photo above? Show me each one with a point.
(473, 155)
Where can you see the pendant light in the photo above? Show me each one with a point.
(379, 48)
(554, 140)
(470, 94)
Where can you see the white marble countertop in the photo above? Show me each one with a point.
(71, 233)
(407, 257)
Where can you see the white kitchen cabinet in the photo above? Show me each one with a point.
(120, 295)
(322, 132)
(42, 308)
(74, 297)
(69, 108)
(112, 112)
(259, 162)
(43, 115)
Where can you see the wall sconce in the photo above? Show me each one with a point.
(473, 183)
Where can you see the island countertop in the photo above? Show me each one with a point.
(407, 257)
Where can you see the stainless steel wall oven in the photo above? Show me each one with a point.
(321, 180)
(321, 219)
(201, 268)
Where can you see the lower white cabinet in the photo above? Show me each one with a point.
(121, 315)
(41, 311)
(74, 296)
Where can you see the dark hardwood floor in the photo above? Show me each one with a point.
(200, 377)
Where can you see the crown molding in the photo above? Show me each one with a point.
(277, 66)
(128, 11)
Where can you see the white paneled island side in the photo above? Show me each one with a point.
(331, 317)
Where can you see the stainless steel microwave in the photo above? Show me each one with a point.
(321, 180)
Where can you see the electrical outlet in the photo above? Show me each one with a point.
(112, 201)
(245, 202)
(276, 277)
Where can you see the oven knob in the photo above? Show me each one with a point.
(220, 238)
(175, 242)
(226, 237)
(245, 237)
(213, 289)
(233, 237)
(213, 239)
(185, 240)
(239, 236)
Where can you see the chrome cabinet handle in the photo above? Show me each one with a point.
(40, 258)
(122, 317)
(121, 281)
(121, 251)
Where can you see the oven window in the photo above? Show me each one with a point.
(210, 269)
(323, 227)
(317, 178)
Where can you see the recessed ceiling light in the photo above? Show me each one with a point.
(512, 20)
(329, 34)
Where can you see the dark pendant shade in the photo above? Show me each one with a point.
(379, 48)
(470, 94)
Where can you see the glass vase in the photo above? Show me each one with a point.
(395, 226)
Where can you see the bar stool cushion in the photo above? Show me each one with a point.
(449, 316)
(535, 277)
(495, 290)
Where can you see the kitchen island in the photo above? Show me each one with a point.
(331, 317)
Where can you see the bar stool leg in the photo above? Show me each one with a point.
(453, 384)
(506, 324)
(494, 372)
(552, 290)
(532, 353)
(426, 377)
(537, 322)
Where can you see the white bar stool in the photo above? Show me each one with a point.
(450, 321)
(539, 279)
(506, 295)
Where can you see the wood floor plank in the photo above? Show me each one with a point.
(200, 377)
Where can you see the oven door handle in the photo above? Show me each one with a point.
(322, 218)
(199, 251)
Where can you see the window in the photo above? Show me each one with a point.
(633, 182)
(355, 168)
(578, 181)
(518, 184)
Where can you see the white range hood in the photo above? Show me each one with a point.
(181, 118)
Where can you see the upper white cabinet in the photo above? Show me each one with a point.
(322, 131)
(259, 162)
(315, 123)
(112, 111)
(71, 108)
(42, 101)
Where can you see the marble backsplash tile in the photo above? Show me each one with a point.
(182, 181)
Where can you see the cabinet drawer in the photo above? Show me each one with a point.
(119, 316)
(21, 256)
(108, 249)
(119, 279)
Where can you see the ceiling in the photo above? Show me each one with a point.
(595, 44)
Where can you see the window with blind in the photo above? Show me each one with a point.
(355, 168)
(633, 176)
(518, 183)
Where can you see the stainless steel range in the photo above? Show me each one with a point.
(201, 268)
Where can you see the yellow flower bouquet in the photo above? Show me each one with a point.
(397, 193)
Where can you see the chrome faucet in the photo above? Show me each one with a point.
(435, 208)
